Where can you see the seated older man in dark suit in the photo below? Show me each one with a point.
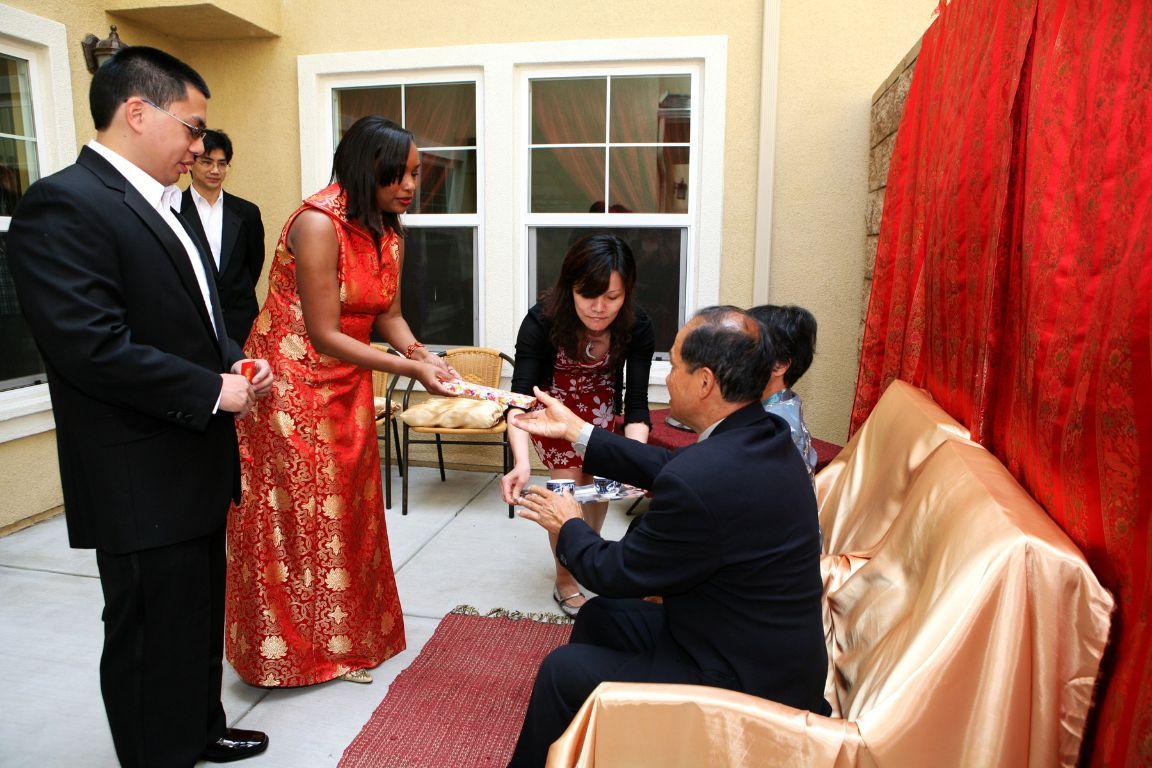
(731, 542)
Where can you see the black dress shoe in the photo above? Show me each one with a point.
(235, 744)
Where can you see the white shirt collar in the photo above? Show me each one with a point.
(197, 197)
(151, 190)
(708, 432)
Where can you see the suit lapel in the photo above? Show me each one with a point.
(193, 223)
(172, 246)
(231, 231)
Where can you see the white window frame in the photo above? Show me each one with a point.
(688, 221)
(502, 159)
(43, 43)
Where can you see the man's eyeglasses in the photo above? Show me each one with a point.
(197, 131)
(208, 164)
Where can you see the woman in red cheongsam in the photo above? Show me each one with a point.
(311, 592)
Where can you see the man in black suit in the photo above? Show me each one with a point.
(731, 543)
(145, 388)
(233, 230)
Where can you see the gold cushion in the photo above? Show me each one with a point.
(454, 413)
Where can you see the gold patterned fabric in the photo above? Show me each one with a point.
(311, 593)
(970, 634)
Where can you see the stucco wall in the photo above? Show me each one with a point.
(29, 478)
(833, 55)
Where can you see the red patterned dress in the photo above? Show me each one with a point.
(589, 390)
(311, 592)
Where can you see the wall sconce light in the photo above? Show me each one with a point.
(97, 52)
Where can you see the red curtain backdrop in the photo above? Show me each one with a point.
(1014, 277)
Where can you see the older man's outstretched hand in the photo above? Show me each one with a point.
(548, 508)
(554, 420)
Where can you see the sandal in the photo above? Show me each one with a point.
(357, 676)
(568, 610)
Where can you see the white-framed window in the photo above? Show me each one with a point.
(441, 247)
(610, 150)
(513, 239)
(37, 137)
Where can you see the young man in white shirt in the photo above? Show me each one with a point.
(233, 231)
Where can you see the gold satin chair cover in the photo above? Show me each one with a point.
(860, 491)
(970, 635)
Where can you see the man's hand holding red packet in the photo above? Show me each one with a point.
(257, 371)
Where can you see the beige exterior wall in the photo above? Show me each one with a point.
(29, 478)
(833, 56)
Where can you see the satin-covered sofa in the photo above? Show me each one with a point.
(963, 627)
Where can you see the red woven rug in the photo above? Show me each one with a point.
(461, 702)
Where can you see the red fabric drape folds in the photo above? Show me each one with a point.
(1014, 280)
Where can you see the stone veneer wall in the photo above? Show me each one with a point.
(887, 109)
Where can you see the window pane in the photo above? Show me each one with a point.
(20, 363)
(569, 111)
(15, 97)
(650, 110)
(19, 167)
(649, 180)
(355, 103)
(567, 180)
(437, 286)
(441, 115)
(447, 182)
(658, 253)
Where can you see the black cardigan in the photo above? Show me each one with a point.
(536, 358)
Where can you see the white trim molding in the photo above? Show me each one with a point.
(769, 80)
(499, 70)
(43, 43)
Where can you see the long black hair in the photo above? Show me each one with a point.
(587, 269)
(373, 152)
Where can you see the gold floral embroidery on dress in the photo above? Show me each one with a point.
(335, 545)
(279, 498)
(337, 579)
(343, 292)
(281, 386)
(270, 681)
(276, 572)
(277, 536)
(273, 647)
(333, 507)
(326, 430)
(386, 623)
(292, 347)
(282, 424)
(340, 644)
(263, 323)
(337, 615)
(363, 416)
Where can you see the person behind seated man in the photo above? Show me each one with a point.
(730, 541)
(792, 331)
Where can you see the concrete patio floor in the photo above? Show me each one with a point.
(456, 546)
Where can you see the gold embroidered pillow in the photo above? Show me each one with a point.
(454, 413)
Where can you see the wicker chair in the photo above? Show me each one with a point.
(383, 386)
(478, 365)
